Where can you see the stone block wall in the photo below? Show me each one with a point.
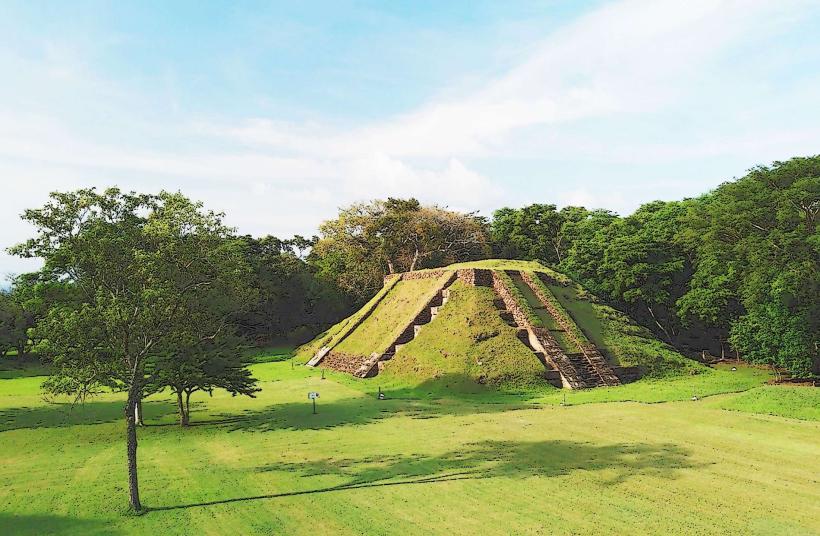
(343, 362)
(571, 329)
(427, 274)
(509, 300)
(476, 277)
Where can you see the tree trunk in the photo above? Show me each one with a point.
(131, 446)
(187, 407)
(138, 413)
(668, 337)
(557, 247)
(183, 415)
(415, 260)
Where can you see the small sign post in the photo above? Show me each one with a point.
(313, 395)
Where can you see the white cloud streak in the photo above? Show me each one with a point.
(631, 58)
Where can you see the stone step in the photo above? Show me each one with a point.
(416, 329)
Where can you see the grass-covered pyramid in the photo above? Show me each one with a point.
(507, 323)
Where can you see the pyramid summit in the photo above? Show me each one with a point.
(496, 322)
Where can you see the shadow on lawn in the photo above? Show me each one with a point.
(352, 411)
(55, 415)
(482, 460)
(36, 525)
(427, 401)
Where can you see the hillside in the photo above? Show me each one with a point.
(502, 323)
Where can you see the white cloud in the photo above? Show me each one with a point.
(627, 59)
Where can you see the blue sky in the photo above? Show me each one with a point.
(279, 112)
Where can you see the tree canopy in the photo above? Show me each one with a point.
(368, 240)
(144, 266)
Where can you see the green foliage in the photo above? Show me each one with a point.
(14, 326)
(738, 265)
(293, 301)
(369, 240)
(535, 232)
(757, 271)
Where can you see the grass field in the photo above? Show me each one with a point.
(494, 464)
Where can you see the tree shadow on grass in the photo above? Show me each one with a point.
(483, 460)
(37, 525)
(429, 400)
(60, 414)
(352, 411)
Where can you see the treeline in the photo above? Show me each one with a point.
(734, 272)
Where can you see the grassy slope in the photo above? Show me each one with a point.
(391, 315)
(266, 465)
(622, 340)
(305, 352)
(466, 342)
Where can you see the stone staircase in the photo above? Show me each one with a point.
(590, 366)
(318, 356)
(513, 315)
(375, 363)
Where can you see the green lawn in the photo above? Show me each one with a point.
(783, 400)
(489, 464)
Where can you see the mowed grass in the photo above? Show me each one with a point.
(386, 322)
(467, 346)
(417, 465)
(797, 402)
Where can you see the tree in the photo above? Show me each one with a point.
(142, 265)
(202, 363)
(20, 307)
(532, 232)
(369, 240)
(294, 301)
(756, 243)
(644, 268)
(14, 326)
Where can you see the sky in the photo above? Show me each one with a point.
(279, 113)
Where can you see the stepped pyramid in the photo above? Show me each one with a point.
(506, 321)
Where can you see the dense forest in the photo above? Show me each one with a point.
(734, 271)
